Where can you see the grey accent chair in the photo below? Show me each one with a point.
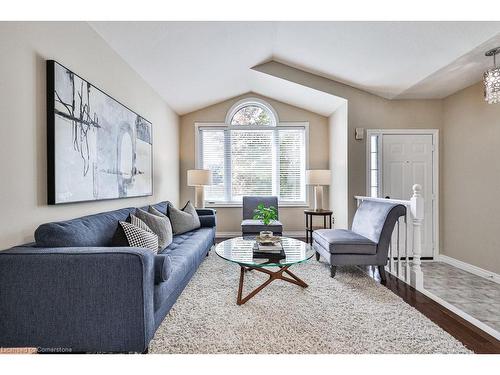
(251, 227)
(367, 243)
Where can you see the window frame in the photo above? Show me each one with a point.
(227, 126)
(248, 102)
(370, 155)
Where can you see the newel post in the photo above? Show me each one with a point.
(417, 215)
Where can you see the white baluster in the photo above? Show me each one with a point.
(417, 212)
(398, 251)
(407, 254)
(391, 258)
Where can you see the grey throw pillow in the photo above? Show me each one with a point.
(159, 225)
(170, 232)
(183, 220)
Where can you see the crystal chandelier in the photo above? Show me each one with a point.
(491, 79)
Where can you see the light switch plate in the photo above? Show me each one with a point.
(360, 133)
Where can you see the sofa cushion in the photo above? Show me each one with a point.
(256, 226)
(160, 225)
(93, 230)
(341, 241)
(184, 220)
(200, 238)
(185, 254)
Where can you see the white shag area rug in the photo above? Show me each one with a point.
(348, 314)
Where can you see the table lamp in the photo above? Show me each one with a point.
(318, 178)
(199, 178)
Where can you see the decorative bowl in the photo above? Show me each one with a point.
(265, 234)
(267, 240)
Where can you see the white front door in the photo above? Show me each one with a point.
(407, 159)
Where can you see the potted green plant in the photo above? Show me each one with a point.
(265, 214)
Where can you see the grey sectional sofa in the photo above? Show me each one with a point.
(72, 291)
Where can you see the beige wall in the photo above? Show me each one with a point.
(229, 219)
(23, 50)
(471, 179)
(338, 140)
(469, 171)
(364, 111)
(469, 134)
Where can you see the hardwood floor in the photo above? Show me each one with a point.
(472, 337)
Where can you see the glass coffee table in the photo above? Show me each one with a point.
(239, 250)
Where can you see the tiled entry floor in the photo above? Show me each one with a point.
(472, 294)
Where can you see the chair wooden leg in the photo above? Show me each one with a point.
(333, 269)
(381, 272)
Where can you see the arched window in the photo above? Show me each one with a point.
(252, 111)
(253, 154)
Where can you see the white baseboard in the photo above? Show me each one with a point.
(226, 234)
(489, 330)
(300, 233)
(470, 268)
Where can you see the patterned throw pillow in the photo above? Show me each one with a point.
(184, 220)
(139, 237)
(134, 220)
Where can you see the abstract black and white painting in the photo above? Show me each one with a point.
(97, 147)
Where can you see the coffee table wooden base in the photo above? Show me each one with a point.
(273, 275)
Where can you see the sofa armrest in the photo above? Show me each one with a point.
(205, 211)
(77, 299)
(207, 217)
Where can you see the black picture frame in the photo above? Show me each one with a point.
(52, 116)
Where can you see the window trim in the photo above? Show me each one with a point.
(246, 102)
(226, 126)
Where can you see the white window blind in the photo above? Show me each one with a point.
(253, 161)
(252, 164)
(292, 164)
(212, 150)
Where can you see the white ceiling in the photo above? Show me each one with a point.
(294, 94)
(195, 64)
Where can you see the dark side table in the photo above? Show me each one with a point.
(327, 222)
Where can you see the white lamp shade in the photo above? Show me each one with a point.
(199, 177)
(318, 177)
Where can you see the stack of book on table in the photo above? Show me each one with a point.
(271, 250)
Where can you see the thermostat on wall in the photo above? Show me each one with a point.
(360, 132)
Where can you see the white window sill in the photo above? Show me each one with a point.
(240, 205)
